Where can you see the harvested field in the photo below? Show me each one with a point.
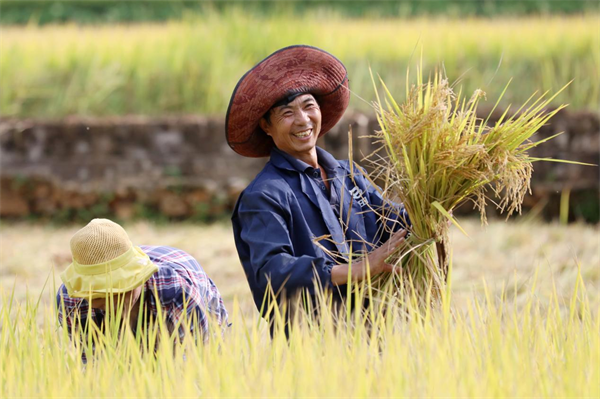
(502, 254)
(540, 339)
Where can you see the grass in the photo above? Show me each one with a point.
(488, 350)
(511, 332)
(192, 66)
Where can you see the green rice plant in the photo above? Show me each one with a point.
(192, 65)
(439, 155)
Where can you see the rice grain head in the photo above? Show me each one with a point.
(435, 154)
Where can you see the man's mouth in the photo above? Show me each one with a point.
(303, 134)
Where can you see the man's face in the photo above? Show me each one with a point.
(127, 300)
(295, 127)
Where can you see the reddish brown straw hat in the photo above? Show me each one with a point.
(290, 70)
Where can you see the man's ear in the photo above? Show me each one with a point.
(264, 125)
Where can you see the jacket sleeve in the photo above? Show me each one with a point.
(266, 227)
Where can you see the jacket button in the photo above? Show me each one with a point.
(323, 188)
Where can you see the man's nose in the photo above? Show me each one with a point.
(302, 117)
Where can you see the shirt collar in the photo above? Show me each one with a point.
(284, 160)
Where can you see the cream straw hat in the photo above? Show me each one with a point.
(105, 262)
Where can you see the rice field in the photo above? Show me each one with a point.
(192, 66)
(522, 321)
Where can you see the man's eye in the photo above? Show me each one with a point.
(286, 114)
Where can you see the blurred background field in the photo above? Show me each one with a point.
(95, 95)
(516, 257)
(191, 66)
(116, 109)
(110, 11)
(521, 326)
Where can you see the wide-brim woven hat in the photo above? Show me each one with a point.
(105, 262)
(294, 69)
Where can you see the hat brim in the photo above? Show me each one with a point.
(134, 272)
(292, 69)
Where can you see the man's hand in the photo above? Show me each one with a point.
(375, 262)
(376, 258)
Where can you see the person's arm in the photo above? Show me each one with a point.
(397, 218)
(186, 302)
(373, 264)
(62, 308)
(72, 316)
(265, 230)
(265, 227)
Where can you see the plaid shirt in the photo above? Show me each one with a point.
(179, 284)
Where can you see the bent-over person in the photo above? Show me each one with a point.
(107, 270)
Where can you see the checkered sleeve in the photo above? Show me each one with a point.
(64, 307)
(186, 293)
(71, 312)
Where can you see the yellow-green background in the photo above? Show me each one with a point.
(192, 65)
(523, 324)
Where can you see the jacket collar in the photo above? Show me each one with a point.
(283, 160)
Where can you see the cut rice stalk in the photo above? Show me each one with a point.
(438, 155)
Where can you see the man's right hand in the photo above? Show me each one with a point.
(375, 262)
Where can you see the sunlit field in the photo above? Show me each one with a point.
(522, 320)
(192, 66)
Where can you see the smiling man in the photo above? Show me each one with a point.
(279, 109)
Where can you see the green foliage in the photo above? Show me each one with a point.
(63, 216)
(586, 206)
(213, 211)
(193, 66)
(110, 11)
(145, 211)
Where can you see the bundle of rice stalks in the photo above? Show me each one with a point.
(440, 155)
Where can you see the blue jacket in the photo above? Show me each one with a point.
(287, 207)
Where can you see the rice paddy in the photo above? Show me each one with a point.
(192, 66)
(524, 321)
(520, 317)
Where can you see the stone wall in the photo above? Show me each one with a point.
(182, 168)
